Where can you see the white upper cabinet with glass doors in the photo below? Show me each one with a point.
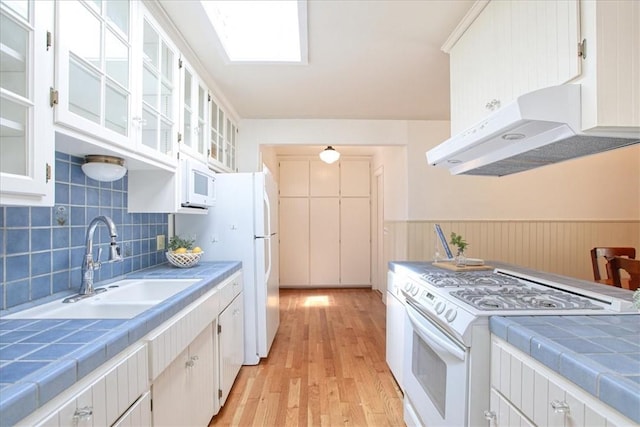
(26, 128)
(222, 150)
(155, 120)
(93, 68)
(193, 137)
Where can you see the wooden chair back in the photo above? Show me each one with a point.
(607, 253)
(631, 266)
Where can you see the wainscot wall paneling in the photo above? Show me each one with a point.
(560, 247)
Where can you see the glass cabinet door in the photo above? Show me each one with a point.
(213, 131)
(26, 128)
(159, 70)
(94, 65)
(194, 113)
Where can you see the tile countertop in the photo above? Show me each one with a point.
(41, 358)
(599, 353)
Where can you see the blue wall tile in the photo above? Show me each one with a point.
(17, 240)
(41, 249)
(40, 263)
(16, 267)
(16, 217)
(40, 217)
(41, 239)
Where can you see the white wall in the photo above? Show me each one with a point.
(256, 132)
(602, 186)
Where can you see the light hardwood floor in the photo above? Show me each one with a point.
(326, 366)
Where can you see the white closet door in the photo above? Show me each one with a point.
(294, 241)
(324, 179)
(355, 246)
(355, 178)
(325, 241)
(294, 178)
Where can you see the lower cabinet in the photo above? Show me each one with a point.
(231, 345)
(524, 392)
(180, 374)
(184, 394)
(105, 397)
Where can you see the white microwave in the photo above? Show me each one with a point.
(198, 184)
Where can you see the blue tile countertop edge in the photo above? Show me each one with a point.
(26, 384)
(600, 353)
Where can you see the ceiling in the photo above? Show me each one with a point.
(368, 59)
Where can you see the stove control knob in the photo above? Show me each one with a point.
(440, 306)
(407, 286)
(414, 290)
(450, 315)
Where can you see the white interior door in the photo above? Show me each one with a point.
(324, 232)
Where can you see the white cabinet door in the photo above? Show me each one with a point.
(324, 179)
(294, 178)
(26, 128)
(611, 79)
(512, 48)
(194, 114)
(93, 68)
(355, 241)
(139, 414)
(355, 178)
(230, 345)
(184, 393)
(294, 241)
(157, 78)
(324, 241)
(202, 378)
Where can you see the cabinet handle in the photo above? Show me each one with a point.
(492, 105)
(192, 361)
(490, 416)
(139, 121)
(82, 414)
(560, 407)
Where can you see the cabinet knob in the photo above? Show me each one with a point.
(560, 407)
(83, 414)
(492, 105)
(191, 362)
(490, 415)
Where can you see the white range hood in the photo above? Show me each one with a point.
(537, 129)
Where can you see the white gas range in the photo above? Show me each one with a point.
(447, 339)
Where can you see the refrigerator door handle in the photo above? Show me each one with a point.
(264, 237)
(267, 207)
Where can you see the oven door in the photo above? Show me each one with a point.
(434, 373)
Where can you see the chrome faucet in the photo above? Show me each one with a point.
(88, 264)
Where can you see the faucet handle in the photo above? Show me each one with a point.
(96, 263)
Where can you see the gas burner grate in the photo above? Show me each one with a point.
(522, 298)
(474, 278)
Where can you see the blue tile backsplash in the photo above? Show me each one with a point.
(41, 248)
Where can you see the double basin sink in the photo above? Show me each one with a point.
(123, 299)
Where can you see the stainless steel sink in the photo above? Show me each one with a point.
(124, 299)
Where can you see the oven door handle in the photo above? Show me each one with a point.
(433, 337)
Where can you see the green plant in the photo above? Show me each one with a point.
(458, 242)
(177, 242)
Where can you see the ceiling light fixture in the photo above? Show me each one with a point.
(104, 168)
(329, 155)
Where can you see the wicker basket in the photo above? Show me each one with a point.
(185, 260)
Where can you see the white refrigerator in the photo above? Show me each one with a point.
(242, 226)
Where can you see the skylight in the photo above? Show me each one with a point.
(259, 31)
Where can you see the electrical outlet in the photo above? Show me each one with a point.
(160, 242)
